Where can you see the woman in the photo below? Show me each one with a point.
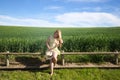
(53, 42)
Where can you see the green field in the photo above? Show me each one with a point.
(62, 74)
(32, 39)
(28, 39)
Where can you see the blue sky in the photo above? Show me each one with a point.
(60, 13)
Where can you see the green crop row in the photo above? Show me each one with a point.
(28, 39)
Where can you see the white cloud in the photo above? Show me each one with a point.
(89, 19)
(73, 19)
(7, 20)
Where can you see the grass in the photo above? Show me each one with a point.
(28, 39)
(62, 74)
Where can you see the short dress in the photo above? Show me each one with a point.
(52, 43)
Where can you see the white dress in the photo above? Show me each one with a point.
(52, 43)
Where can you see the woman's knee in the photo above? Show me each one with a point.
(54, 54)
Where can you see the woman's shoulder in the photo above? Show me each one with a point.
(51, 37)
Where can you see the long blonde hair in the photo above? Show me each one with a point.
(59, 38)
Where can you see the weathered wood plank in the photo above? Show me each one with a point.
(24, 67)
(3, 53)
(116, 58)
(84, 53)
(91, 53)
(62, 54)
(7, 54)
(7, 60)
(68, 66)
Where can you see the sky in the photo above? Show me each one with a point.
(60, 13)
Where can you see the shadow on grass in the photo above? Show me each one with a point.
(29, 61)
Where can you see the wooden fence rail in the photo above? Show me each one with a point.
(90, 53)
(7, 54)
(116, 54)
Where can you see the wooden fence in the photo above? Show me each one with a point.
(7, 54)
(116, 54)
(63, 54)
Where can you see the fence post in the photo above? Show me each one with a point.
(116, 57)
(7, 59)
(62, 55)
(63, 61)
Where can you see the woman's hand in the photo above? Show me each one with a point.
(56, 45)
(49, 49)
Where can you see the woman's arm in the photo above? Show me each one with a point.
(56, 45)
(47, 43)
(60, 43)
(48, 46)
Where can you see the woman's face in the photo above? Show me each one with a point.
(56, 35)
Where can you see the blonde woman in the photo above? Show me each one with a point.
(53, 42)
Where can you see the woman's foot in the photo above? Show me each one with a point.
(51, 73)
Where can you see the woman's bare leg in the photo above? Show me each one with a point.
(53, 62)
(54, 58)
(51, 67)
